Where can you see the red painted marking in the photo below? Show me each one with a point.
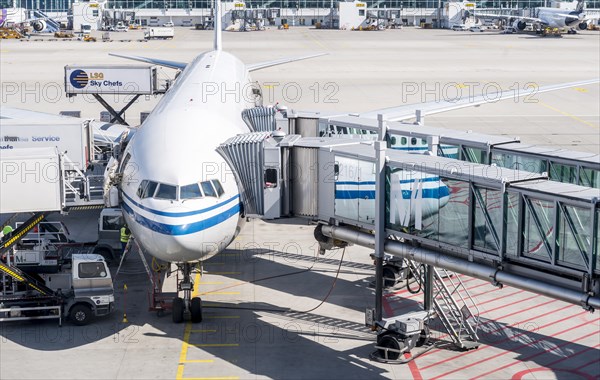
(519, 375)
(571, 356)
(500, 329)
(535, 355)
(497, 343)
(414, 370)
(588, 363)
(518, 347)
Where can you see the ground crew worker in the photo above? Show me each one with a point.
(125, 234)
(7, 230)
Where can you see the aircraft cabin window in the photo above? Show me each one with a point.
(218, 186)
(413, 141)
(208, 189)
(190, 191)
(149, 190)
(166, 192)
(403, 141)
(424, 141)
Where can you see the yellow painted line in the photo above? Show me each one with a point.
(461, 85)
(581, 89)
(222, 317)
(315, 40)
(567, 114)
(219, 293)
(200, 361)
(202, 331)
(215, 345)
(186, 337)
(212, 378)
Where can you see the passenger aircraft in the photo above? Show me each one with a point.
(544, 17)
(179, 197)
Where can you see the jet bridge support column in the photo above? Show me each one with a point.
(379, 226)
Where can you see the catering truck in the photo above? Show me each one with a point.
(159, 33)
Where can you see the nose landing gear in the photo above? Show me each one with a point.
(186, 306)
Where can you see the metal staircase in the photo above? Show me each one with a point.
(453, 304)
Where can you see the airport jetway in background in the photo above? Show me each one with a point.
(506, 226)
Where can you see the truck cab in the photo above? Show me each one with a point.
(87, 288)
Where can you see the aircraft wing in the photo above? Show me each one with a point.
(263, 65)
(409, 111)
(160, 62)
(494, 16)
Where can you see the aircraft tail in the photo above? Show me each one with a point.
(580, 6)
(217, 25)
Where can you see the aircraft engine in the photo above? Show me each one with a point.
(519, 25)
(582, 25)
(39, 25)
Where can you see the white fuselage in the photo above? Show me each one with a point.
(176, 146)
(560, 18)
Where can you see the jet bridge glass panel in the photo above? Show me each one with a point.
(428, 205)
(355, 189)
(519, 162)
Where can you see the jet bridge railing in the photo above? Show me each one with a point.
(510, 219)
(561, 165)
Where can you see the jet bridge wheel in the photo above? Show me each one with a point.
(392, 341)
(196, 310)
(391, 276)
(178, 309)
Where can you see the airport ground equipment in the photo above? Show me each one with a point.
(98, 80)
(10, 33)
(82, 292)
(437, 215)
(158, 33)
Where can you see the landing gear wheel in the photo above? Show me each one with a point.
(178, 308)
(80, 315)
(390, 341)
(196, 310)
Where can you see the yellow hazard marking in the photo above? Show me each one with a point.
(581, 89)
(567, 114)
(461, 85)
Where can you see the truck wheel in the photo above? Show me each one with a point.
(196, 310)
(80, 315)
(390, 341)
(178, 308)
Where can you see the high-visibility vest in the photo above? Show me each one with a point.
(124, 235)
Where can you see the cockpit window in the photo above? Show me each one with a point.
(208, 189)
(166, 192)
(218, 186)
(149, 190)
(142, 188)
(190, 191)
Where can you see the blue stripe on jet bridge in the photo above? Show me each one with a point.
(436, 193)
(183, 229)
(358, 183)
(179, 214)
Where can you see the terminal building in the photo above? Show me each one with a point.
(325, 13)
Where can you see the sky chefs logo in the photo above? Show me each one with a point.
(79, 79)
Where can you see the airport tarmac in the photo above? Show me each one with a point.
(262, 296)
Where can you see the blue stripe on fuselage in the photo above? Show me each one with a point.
(183, 229)
(436, 193)
(179, 214)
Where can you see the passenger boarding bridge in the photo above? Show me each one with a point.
(502, 224)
